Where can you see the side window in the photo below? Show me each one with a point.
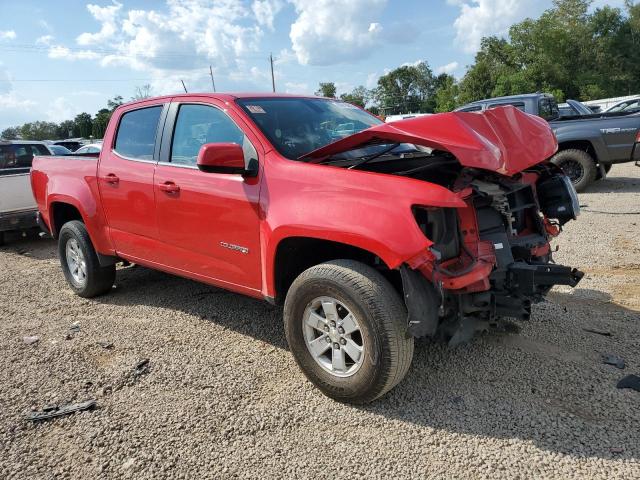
(200, 124)
(548, 109)
(40, 150)
(474, 108)
(518, 105)
(137, 133)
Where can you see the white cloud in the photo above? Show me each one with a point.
(328, 32)
(177, 39)
(294, 87)
(107, 16)
(61, 109)
(58, 51)
(449, 68)
(480, 18)
(265, 11)
(7, 35)
(44, 40)
(372, 80)
(12, 101)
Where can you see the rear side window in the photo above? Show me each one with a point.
(17, 158)
(474, 108)
(518, 105)
(136, 135)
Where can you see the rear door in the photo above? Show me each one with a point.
(125, 177)
(208, 223)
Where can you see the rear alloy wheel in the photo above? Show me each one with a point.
(578, 165)
(80, 264)
(346, 327)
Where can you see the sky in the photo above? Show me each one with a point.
(59, 58)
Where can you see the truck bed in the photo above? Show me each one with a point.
(54, 176)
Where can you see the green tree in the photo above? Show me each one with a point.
(10, 133)
(100, 122)
(115, 102)
(359, 96)
(406, 89)
(447, 91)
(82, 125)
(65, 129)
(326, 89)
(38, 131)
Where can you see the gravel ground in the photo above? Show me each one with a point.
(223, 398)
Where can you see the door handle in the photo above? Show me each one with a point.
(112, 179)
(169, 187)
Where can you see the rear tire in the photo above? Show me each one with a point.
(2, 239)
(80, 263)
(578, 165)
(362, 298)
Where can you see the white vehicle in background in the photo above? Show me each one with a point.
(631, 105)
(404, 116)
(17, 205)
(88, 149)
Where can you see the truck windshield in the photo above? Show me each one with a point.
(297, 126)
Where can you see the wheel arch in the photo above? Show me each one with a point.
(294, 254)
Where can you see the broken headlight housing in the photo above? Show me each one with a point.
(558, 198)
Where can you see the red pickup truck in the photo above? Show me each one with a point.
(369, 234)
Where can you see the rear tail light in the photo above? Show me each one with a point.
(638, 137)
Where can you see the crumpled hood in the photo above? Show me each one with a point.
(504, 140)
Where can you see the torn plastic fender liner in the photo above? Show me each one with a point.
(423, 303)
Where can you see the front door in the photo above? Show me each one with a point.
(208, 223)
(125, 178)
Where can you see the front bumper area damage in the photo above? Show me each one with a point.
(491, 259)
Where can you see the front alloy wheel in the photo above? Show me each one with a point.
(333, 336)
(346, 327)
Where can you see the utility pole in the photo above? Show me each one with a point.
(213, 84)
(273, 78)
(185, 88)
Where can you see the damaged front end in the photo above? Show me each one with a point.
(492, 258)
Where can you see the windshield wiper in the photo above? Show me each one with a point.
(375, 155)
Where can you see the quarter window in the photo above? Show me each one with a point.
(136, 136)
(200, 124)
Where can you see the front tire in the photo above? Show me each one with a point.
(347, 329)
(80, 263)
(578, 165)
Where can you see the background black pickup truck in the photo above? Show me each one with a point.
(587, 145)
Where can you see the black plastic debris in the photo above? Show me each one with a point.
(53, 411)
(598, 332)
(614, 360)
(630, 381)
(141, 367)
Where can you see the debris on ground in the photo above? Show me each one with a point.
(630, 381)
(53, 411)
(75, 327)
(30, 340)
(105, 344)
(598, 332)
(141, 367)
(615, 360)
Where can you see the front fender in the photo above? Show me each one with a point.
(366, 210)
